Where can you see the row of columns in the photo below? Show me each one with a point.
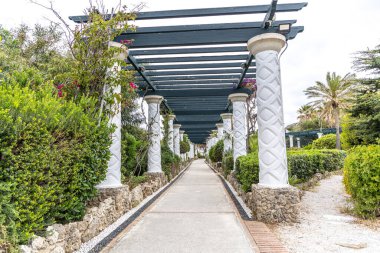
(271, 132)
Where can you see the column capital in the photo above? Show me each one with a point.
(153, 99)
(226, 115)
(177, 126)
(265, 42)
(219, 125)
(119, 55)
(171, 116)
(181, 131)
(238, 97)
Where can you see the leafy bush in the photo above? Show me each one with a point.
(134, 159)
(227, 163)
(216, 152)
(302, 165)
(184, 147)
(169, 161)
(247, 170)
(8, 216)
(325, 142)
(253, 143)
(53, 154)
(362, 179)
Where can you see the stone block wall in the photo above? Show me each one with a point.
(102, 211)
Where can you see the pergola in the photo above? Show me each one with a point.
(196, 67)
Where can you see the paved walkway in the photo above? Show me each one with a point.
(194, 215)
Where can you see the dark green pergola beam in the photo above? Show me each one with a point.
(193, 66)
(189, 77)
(190, 87)
(205, 12)
(206, 81)
(194, 50)
(193, 59)
(204, 27)
(198, 93)
(189, 38)
(197, 72)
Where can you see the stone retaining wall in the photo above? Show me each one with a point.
(102, 211)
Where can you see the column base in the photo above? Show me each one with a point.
(274, 205)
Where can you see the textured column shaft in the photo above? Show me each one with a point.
(298, 142)
(270, 120)
(220, 131)
(154, 128)
(239, 124)
(227, 129)
(171, 133)
(291, 141)
(176, 139)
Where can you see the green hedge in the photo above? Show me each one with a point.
(184, 147)
(302, 165)
(52, 152)
(227, 163)
(325, 142)
(362, 179)
(169, 161)
(247, 170)
(8, 218)
(216, 152)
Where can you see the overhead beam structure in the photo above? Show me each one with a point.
(195, 67)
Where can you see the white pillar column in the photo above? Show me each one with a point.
(227, 129)
(270, 116)
(113, 176)
(176, 139)
(181, 133)
(192, 153)
(171, 133)
(319, 135)
(219, 126)
(298, 142)
(154, 129)
(291, 141)
(239, 124)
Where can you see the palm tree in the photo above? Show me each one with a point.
(305, 112)
(332, 97)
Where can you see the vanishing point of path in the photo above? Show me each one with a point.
(194, 215)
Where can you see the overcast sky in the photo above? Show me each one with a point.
(334, 30)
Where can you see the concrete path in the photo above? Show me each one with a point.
(194, 215)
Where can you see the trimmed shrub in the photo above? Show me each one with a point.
(247, 170)
(169, 161)
(253, 143)
(227, 163)
(302, 165)
(134, 158)
(184, 147)
(362, 179)
(8, 216)
(53, 153)
(325, 142)
(216, 152)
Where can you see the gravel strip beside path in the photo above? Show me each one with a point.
(323, 227)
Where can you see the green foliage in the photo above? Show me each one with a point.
(253, 143)
(325, 142)
(362, 179)
(134, 158)
(184, 147)
(227, 163)
(216, 152)
(247, 170)
(169, 161)
(362, 125)
(302, 165)
(53, 153)
(8, 216)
